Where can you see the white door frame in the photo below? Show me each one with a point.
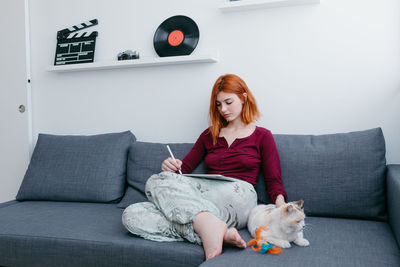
(16, 135)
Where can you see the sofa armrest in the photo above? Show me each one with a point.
(393, 198)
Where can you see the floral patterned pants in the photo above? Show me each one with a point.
(175, 200)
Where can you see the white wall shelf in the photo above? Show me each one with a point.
(242, 5)
(136, 63)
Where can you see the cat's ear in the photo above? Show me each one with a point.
(300, 203)
(288, 209)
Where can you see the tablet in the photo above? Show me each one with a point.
(210, 176)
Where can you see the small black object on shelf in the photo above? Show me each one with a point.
(128, 54)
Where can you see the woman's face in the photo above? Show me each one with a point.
(229, 106)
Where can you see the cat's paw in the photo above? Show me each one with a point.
(302, 242)
(282, 244)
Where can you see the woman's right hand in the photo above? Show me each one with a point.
(171, 165)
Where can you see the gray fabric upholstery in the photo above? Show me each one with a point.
(333, 242)
(132, 195)
(393, 195)
(77, 168)
(8, 203)
(145, 160)
(41, 233)
(338, 175)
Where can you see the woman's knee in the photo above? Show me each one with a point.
(130, 212)
(136, 214)
(155, 180)
(162, 179)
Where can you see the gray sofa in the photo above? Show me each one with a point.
(68, 209)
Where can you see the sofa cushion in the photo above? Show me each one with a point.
(77, 168)
(45, 233)
(144, 160)
(340, 175)
(333, 242)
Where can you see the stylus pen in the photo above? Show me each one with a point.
(172, 155)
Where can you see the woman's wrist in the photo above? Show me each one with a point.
(280, 200)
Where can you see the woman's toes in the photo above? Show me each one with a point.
(233, 237)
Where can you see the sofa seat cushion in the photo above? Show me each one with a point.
(35, 233)
(333, 242)
(77, 168)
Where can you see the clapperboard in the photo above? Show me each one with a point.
(74, 47)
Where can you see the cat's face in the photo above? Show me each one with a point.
(292, 216)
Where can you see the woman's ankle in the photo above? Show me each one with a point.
(204, 219)
(211, 231)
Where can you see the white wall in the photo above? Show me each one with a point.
(314, 69)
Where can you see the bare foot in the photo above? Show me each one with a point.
(232, 237)
(211, 231)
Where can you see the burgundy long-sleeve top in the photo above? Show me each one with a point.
(241, 160)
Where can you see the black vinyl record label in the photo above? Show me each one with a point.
(176, 36)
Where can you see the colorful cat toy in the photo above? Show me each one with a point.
(262, 247)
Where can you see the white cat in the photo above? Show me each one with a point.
(285, 224)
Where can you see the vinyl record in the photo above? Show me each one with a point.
(176, 36)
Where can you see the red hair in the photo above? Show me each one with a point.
(230, 83)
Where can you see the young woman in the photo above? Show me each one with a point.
(208, 212)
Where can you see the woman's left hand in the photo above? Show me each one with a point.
(280, 200)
